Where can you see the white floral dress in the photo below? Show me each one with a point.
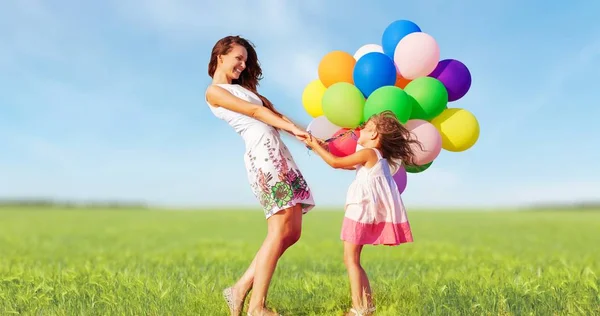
(274, 177)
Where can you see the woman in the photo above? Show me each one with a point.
(274, 177)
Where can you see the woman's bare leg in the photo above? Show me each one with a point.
(284, 229)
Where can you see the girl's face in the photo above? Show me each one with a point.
(368, 135)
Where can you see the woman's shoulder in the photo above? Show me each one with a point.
(213, 86)
(234, 89)
(215, 89)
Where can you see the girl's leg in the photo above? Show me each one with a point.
(284, 229)
(359, 282)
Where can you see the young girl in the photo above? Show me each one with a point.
(375, 214)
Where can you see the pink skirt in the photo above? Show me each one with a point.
(363, 230)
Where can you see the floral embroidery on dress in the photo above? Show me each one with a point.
(290, 185)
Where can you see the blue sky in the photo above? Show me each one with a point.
(104, 99)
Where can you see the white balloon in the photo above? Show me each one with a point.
(321, 127)
(368, 48)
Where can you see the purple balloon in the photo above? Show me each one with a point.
(401, 178)
(455, 76)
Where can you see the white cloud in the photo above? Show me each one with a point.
(551, 87)
(442, 188)
(210, 20)
(283, 32)
(436, 187)
(589, 52)
(569, 191)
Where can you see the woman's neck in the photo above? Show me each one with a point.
(220, 78)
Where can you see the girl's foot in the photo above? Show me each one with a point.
(263, 312)
(235, 304)
(361, 312)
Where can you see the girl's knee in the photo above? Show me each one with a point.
(351, 259)
(352, 255)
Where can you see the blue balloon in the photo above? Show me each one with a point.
(372, 71)
(394, 33)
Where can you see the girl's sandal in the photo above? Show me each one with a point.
(265, 312)
(362, 312)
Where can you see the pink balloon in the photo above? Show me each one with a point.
(430, 139)
(416, 55)
(401, 178)
(345, 145)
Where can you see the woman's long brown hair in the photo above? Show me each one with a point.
(251, 75)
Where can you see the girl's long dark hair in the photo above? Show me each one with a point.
(395, 140)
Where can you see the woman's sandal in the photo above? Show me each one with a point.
(230, 298)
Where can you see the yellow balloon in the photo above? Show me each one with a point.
(312, 96)
(458, 127)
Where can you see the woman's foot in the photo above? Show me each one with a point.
(235, 304)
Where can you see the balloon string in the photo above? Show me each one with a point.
(328, 140)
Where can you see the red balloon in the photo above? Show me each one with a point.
(344, 145)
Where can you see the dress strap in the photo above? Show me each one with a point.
(379, 157)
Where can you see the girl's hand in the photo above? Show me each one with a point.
(312, 142)
(300, 134)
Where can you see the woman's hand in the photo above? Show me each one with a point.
(312, 142)
(300, 134)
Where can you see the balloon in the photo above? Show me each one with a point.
(455, 76)
(416, 55)
(418, 169)
(401, 178)
(458, 128)
(395, 32)
(372, 71)
(428, 137)
(336, 67)
(368, 48)
(430, 95)
(345, 145)
(388, 98)
(320, 127)
(312, 96)
(343, 105)
(401, 82)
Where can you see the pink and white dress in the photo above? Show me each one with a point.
(375, 213)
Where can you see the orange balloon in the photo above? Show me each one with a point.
(401, 82)
(336, 66)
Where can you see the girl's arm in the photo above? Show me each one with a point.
(218, 96)
(362, 157)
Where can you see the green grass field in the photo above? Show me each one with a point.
(140, 262)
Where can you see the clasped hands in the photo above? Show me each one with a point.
(310, 140)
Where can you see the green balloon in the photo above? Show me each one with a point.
(343, 104)
(430, 95)
(388, 98)
(417, 169)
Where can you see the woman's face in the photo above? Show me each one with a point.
(234, 62)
